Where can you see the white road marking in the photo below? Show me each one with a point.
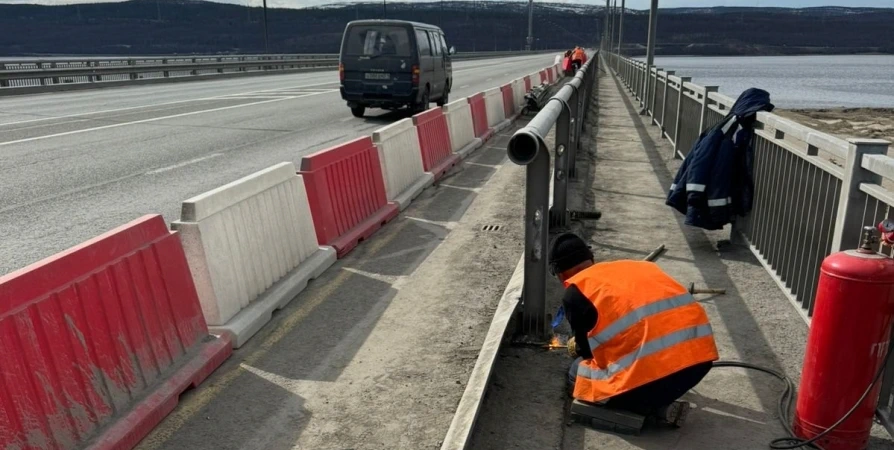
(464, 86)
(38, 126)
(346, 119)
(154, 119)
(184, 163)
(217, 97)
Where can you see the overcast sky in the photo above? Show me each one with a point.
(638, 4)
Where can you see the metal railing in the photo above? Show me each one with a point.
(813, 195)
(566, 110)
(47, 73)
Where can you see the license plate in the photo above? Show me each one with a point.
(378, 76)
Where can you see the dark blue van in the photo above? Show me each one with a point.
(393, 64)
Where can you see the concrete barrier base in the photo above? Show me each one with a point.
(251, 319)
(444, 166)
(471, 147)
(406, 197)
(502, 125)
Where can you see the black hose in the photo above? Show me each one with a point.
(786, 400)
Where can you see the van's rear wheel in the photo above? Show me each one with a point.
(445, 99)
(426, 100)
(358, 111)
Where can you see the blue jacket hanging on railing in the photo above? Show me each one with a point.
(714, 184)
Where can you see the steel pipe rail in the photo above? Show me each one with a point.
(527, 147)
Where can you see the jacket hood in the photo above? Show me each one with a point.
(751, 101)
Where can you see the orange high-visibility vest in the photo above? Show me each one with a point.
(649, 327)
(579, 55)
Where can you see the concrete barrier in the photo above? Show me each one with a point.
(251, 247)
(434, 140)
(401, 159)
(462, 127)
(496, 111)
(544, 78)
(508, 100)
(99, 341)
(346, 192)
(480, 121)
(518, 93)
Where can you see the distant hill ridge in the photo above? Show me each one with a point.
(191, 27)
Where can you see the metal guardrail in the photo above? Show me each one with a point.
(814, 192)
(45, 73)
(566, 110)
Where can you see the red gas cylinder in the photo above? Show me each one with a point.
(847, 344)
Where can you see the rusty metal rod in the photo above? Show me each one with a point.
(655, 253)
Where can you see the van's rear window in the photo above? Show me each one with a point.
(377, 40)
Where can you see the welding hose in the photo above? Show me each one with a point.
(787, 399)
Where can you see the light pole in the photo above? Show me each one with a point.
(650, 54)
(605, 30)
(530, 41)
(266, 40)
(384, 9)
(620, 33)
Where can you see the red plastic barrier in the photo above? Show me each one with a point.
(551, 75)
(434, 139)
(346, 192)
(527, 84)
(479, 116)
(508, 101)
(99, 341)
(544, 78)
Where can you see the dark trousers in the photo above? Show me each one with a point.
(648, 398)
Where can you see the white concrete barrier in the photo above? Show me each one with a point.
(518, 93)
(558, 60)
(401, 159)
(251, 247)
(462, 129)
(496, 113)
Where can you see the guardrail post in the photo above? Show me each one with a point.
(653, 91)
(850, 209)
(664, 98)
(166, 73)
(683, 80)
(132, 75)
(705, 103)
(564, 152)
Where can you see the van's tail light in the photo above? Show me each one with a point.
(415, 75)
(341, 71)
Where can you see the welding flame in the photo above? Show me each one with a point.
(555, 342)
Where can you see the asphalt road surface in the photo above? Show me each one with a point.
(76, 164)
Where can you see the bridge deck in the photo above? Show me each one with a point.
(754, 322)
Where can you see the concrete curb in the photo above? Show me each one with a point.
(250, 320)
(460, 432)
(504, 125)
(406, 197)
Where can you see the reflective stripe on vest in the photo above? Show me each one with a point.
(636, 315)
(649, 348)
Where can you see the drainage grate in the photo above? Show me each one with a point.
(491, 228)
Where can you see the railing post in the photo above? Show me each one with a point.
(564, 152)
(705, 108)
(664, 99)
(683, 80)
(654, 93)
(850, 209)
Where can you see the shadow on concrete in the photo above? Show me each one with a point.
(222, 424)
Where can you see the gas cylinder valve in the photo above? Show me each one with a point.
(869, 239)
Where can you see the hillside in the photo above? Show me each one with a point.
(184, 27)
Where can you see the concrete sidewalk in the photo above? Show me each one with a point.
(626, 171)
(375, 354)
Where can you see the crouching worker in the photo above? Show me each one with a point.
(641, 340)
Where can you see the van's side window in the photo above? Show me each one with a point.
(443, 42)
(422, 43)
(435, 46)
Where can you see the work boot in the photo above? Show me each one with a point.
(674, 414)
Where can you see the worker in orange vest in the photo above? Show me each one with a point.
(578, 57)
(641, 339)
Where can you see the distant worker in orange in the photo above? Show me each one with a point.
(640, 338)
(578, 57)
